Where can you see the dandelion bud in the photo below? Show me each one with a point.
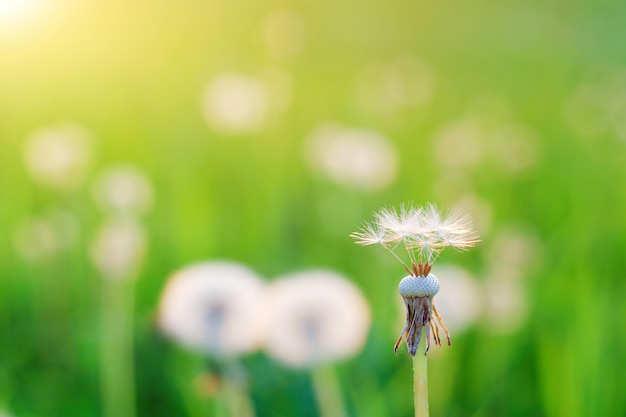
(421, 286)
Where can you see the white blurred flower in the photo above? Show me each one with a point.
(390, 86)
(123, 189)
(460, 299)
(459, 145)
(214, 307)
(515, 147)
(41, 237)
(316, 317)
(284, 32)
(235, 103)
(515, 248)
(119, 248)
(363, 159)
(506, 302)
(58, 157)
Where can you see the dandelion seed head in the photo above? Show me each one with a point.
(413, 286)
(316, 317)
(216, 308)
(425, 232)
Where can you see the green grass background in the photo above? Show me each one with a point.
(132, 74)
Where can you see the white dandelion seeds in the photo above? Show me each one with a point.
(423, 232)
(214, 307)
(316, 317)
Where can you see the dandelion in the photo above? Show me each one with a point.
(214, 307)
(423, 232)
(46, 235)
(358, 158)
(123, 189)
(217, 308)
(118, 248)
(58, 157)
(235, 103)
(317, 317)
(392, 86)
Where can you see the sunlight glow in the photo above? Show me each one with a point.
(13, 13)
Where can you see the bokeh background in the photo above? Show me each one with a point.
(264, 133)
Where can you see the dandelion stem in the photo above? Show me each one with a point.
(420, 380)
(327, 392)
(116, 355)
(234, 392)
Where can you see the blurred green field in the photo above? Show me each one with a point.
(514, 112)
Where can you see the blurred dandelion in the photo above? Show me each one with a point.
(283, 33)
(598, 108)
(43, 236)
(123, 189)
(58, 157)
(217, 308)
(117, 252)
(119, 247)
(459, 144)
(235, 103)
(214, 307)
(317, 317)
(515, 147)
(423, 232)
(358, 158)
(512, 247)
(390, 86)
(505, 302)
(460, 299)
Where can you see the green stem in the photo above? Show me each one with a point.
(327, 392)
(116, 354)
(420, 380)
(233, 398)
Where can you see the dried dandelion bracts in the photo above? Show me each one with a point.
(423, 232)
